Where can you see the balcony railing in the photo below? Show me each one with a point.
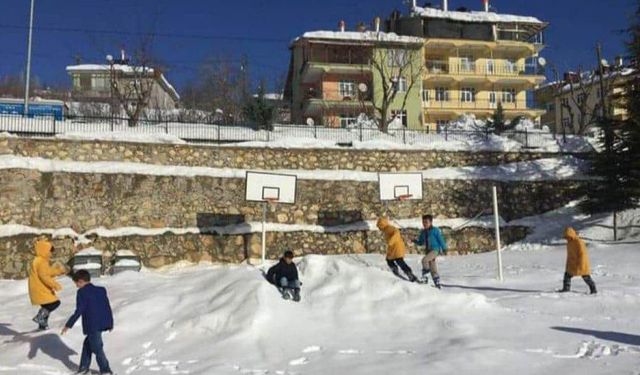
(479, 69)
(339, 95)
(477, 104)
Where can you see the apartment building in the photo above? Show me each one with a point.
(474, 60)
(574, 103)
(334, 76)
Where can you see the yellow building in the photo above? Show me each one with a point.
(474, 60)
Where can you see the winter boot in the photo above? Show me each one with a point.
(412, 277)
(41, 318)
(436, 282)
(566, 284)
(296, 295)
(45, 321)
(286, 293)
(591, 284)
(425, 276)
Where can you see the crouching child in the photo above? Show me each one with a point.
(284, 275)
(577, 262)
(92, 304)
(434, 244)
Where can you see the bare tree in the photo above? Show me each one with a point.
(398, 71)
(132, 82)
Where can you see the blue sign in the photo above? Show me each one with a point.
(35, 109)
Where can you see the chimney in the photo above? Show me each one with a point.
(445, 5)
(342, 25)
(619, 61)
(414, 3)
(376, 24)
(486, 5)
(123, 55)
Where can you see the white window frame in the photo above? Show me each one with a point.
(402, 115)
(347, 120)
(511, 66)
(467, 94)
(425, 95)
(397, 58)
(493, 99)
(509, 96)
(442, 94)
(403, 84)
(347, 88)
(491, 67)
(467, 64)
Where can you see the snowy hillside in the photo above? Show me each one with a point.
(355, 318)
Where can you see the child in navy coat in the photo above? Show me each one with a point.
(92, 304)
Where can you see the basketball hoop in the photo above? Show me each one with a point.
(271, 200)
(405, 197)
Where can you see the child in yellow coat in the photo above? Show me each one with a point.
(42, 283)
(395, 249)
(577, 262)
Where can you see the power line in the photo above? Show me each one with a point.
(149, 34)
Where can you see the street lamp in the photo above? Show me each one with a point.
(110, 61)
(28, 70)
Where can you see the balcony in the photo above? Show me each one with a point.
(318, 102)
(338, 60)
(482, 106)
(494, 72)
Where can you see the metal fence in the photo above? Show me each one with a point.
(213, 133)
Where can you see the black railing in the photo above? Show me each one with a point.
(197, 132)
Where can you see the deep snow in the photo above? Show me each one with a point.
(355, 318)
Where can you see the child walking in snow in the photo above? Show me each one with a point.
(92, 304)
(395, 249)
(42, 285)
(434, 244)
(577, 262)
(284, 275)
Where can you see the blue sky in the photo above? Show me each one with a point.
(196, 29)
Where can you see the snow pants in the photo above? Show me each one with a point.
(429, 264)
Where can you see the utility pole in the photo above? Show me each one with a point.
(607, 125)
(28, 70)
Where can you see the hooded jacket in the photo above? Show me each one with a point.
(577, 257)
(395, 243)
(280, 270)
(42, 285)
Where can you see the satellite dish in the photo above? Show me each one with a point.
(604, 62)
(542, 61)
(363, 87)
(109, 58)
(310, 121)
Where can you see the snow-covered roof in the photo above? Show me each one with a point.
(474, 16)
(363, 36)
(90, 251)
(588, 78)
(126, 69)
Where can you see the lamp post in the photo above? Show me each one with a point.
(111, 83)
(28, 70)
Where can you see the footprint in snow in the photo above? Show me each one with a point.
(397, 352)
(172, 336)
(299, 361)
(312, 349)
(169, 324)
(350, 351)
(147, 344)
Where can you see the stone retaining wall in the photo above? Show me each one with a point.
(257, 158)
(86, 201)
(155, 251)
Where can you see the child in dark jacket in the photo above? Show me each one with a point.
(92, 304)
(285, 276)
(434, 244)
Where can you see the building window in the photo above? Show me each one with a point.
(76, 82)
(564, 102)
(566, 123)
(493, 99)
(441, 125)
(400, 116)
(551, 107)
(491, 67)
(401, 84)
(509, 96)
(581, 99)
(442, 94)
(467, 64)
(512, 66)
(347, 88)
(397, 58)
(347, 121)
(98, 82)
(467, 94)
(425, 96)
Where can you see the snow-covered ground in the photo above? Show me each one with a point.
(357, 318)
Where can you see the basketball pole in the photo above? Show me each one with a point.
(264, 233)
(496, 218)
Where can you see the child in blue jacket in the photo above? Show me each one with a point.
(434, 244)
(92, 304)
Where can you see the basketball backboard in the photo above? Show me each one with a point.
(270, 187)
(400, 186)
